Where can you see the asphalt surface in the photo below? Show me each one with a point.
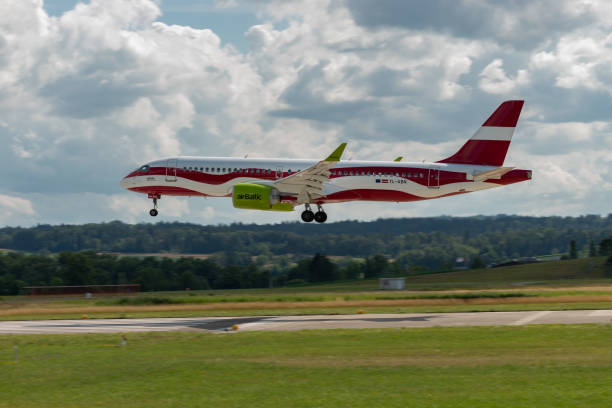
(360, 321)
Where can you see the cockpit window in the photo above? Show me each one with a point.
(144, 168)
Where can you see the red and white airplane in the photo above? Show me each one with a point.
(283, 184)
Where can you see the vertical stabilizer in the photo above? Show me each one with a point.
(490, 143)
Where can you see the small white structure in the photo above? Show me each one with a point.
(392, 283)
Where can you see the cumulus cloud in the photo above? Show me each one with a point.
(11, 206)
(578, 61)
(92, 93)
(495, 81)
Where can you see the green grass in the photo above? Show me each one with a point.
(534, 366)
(176, 300)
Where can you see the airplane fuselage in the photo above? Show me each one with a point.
(348, 181)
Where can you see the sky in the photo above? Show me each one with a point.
(91, 90)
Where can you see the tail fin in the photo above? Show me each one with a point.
(490, 143)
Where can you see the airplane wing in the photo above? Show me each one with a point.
(308, 183)
(398, 159)
(492, 174)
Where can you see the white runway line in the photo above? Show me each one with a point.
(531, 318)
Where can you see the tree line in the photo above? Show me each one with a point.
(18, 270)
(426, 242)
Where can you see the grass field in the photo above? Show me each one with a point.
(575, 284)
(530, 366)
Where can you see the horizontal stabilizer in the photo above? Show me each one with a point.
(492, 174)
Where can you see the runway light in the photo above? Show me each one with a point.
(84, 317)
(235, 327)
(360, 311)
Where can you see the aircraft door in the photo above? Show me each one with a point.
(171, 170)
(433, 179)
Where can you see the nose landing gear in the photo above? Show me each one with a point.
(155, 197)
(320, 216)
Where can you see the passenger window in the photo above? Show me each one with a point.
(403, 174)
(421, 175)
(218, 170)
(207, 169)
(345, 173)
(396, 174)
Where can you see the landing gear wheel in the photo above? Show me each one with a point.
(155, 197)
(308, 216)
(320, 216)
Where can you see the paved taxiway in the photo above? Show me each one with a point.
(360, 321)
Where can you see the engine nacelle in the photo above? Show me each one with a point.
(251, 196)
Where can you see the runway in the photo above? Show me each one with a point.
(359, 321)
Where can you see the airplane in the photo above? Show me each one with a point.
(283, 184)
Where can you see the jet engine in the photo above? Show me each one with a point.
(252, 196)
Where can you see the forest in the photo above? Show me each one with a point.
(257, 256)
(426, 242)
(18, 270)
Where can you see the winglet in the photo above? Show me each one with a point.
(335, 156)
(399, 159)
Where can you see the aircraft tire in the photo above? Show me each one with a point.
(153, 212)
(320, 217)
(308, 216)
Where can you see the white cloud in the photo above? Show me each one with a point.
(91, 94)
(494, 80)
(579, 61)
(11, 206)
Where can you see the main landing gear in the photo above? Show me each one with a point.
(153, 211)
(320, 216)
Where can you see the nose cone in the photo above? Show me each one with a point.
(124, 182)
(128, 181)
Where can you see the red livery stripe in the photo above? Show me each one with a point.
(484, 152)
(166, 190)
(366, 194)
(506, 115)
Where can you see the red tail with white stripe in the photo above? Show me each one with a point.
(490, 143)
